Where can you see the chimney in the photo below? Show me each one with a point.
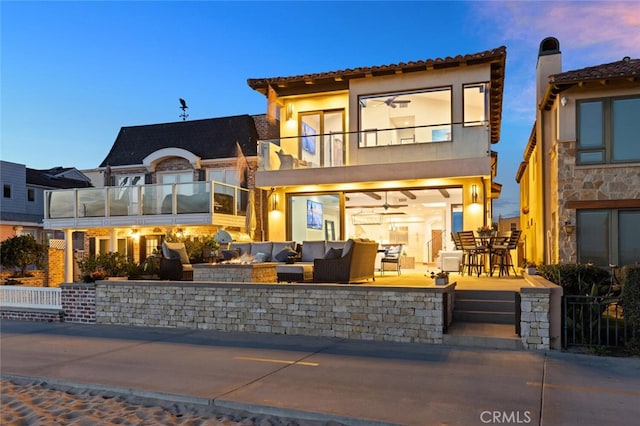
(549, 63)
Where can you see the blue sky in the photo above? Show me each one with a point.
(73, 73)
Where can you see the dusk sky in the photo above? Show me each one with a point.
(74, 73)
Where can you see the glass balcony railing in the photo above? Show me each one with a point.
(145, 200)
(329, 150)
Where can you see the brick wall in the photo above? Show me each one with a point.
(350, 312)
(79, 303)
(31, 315)
(55, 267)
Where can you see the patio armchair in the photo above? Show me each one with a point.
(357, 263)
(391, 257)
(174, 263)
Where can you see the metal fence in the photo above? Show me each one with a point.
(594, 321)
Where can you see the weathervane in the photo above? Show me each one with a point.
(183, 107)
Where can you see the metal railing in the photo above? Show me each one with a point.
(594, 321)
(30, 297)
(143, 200)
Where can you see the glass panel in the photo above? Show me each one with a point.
(315, 217)
(626, 128)
(121, 199)
(475, 110)
(192, 197)
(402, 118)
(591, 157)
(223, 199)
(154, 201)
(310, 127)
(628, 237)
(91, 202)
(590, 124)
(333, 139)
(593, 237)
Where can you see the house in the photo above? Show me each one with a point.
(188, 177)
(400, 153)
(580, 178)
(23, 189)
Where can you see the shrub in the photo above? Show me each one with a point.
(105, 265)
(197, 247)
(630, 280)
(577, 279)
(20, 252)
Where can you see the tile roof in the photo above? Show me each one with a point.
(208, 138)
(339, 80)
(625, 68)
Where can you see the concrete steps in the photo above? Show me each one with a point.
(484, 318)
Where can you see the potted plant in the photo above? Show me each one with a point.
(441, 278)
(486, 231)
(530, 267)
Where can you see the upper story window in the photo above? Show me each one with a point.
(228, 176)
(129, 180)
(6, 190)
(608, 130)
(406, 117)
(31, 194)
(475, 104)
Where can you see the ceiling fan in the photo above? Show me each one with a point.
(393, 102)
(385, 206)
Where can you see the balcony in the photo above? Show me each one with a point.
(375, 146)
(449, 150)
(168, 204)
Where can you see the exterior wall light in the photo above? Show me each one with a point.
(563, 101)
(274, 202)
(289, 112)
(568, 228)
(474, 194)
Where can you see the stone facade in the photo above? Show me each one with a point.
(580, 183)
(540, 314)
(79, 303)
(349, 312)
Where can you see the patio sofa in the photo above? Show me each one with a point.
(355, 263)
(174, 263)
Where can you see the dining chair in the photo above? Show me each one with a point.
(472, 258)
(503, 253)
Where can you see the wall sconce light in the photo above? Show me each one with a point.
(568, 228)
(474, 194)
(274, 202)
(563, 101)
(289, 112)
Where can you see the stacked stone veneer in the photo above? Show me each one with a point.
(586, 183)
(540, 314)
(79, 303)
(342, 311)
(247, 273)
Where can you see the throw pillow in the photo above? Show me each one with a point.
(285, 253)
(230, 254)
(333, 253)
(261, 257)
(175, 251)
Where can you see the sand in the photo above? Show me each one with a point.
(24, 402)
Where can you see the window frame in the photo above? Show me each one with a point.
(613, 232)
(607, 120)
(475, 123)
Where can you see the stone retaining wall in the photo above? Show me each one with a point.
(540, 316)
(344, 311)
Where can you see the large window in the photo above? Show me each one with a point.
(405, 118)
(608, 236)
(475, 104)
(608, 131)
(315, 217)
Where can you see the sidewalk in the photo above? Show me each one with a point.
(350, 382)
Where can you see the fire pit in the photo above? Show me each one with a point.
(262, 272)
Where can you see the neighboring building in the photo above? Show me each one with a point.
(397, 153)
(192, 177)
(580, 178)
(22, 203)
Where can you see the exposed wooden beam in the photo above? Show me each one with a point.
(444, 192)
(408, 194)
(373, 195)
